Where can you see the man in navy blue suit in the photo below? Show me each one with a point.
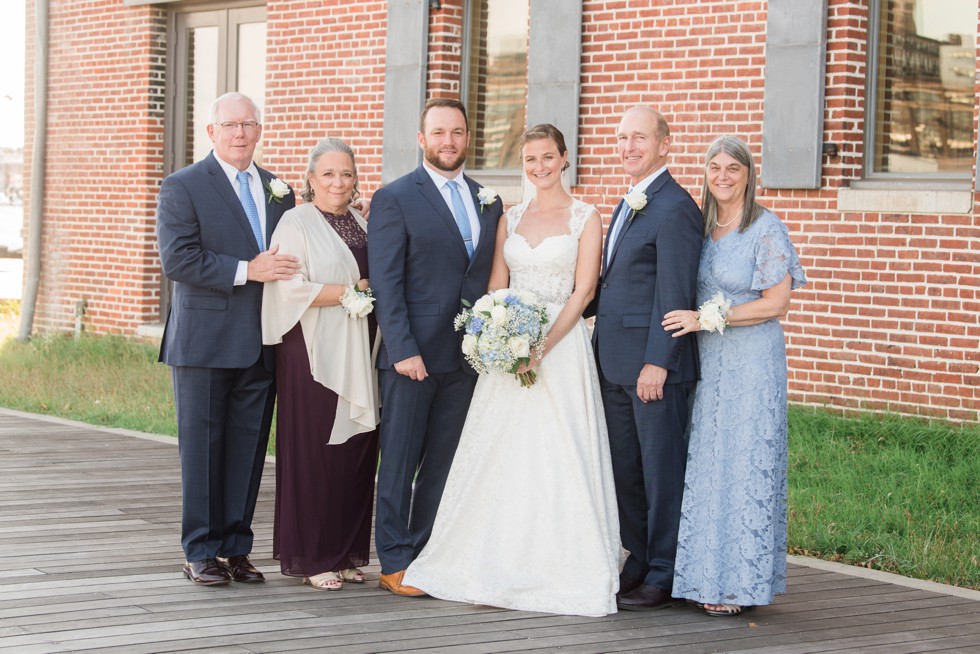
(214, 220)
(430, 245)
(650, 266)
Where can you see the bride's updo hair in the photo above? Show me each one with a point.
(546, 131)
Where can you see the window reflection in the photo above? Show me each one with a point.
(496, 96)
(925, 86)
(202, 82)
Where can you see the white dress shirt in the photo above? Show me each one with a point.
(464, 190)
(617, 226)
(258, 196)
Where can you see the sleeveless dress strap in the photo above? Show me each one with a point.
(581, 212)
(514, 215)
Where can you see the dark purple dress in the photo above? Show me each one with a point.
(324, 493)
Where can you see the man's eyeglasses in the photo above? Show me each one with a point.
(231, 125)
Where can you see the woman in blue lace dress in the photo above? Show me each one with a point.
(731, 552)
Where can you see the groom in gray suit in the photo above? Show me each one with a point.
(214, 219)
(430, 245)
(647, 377)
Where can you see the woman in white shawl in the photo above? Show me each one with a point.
(327, 416)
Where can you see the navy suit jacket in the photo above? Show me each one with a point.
(202, 233)
(420, 271)
(652, 269)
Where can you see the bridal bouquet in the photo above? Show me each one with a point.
(502, 329)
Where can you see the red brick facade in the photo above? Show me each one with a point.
(888, 320)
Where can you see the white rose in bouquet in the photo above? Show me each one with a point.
(483, 305)
(500, 294)
(499, 314)
(520, 346)
(469, 344)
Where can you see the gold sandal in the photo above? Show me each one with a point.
(352, 575)
(326, 581)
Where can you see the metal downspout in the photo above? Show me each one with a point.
(38, 165)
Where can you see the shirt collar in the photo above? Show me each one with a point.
(232, 172)
(440, 180)
(647, 181)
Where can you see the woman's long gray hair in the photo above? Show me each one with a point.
(735, 148)
(321, 148)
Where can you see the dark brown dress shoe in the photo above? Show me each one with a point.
(644, 598)
(627, 583)
(240, 568)
(206, 572)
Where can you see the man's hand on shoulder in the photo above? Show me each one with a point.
(272, 267)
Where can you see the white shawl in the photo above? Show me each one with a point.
(338, 346)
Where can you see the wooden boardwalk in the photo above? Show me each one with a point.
(90, 561)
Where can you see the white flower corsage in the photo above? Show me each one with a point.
(277, 189)
(357, 303)
(486, 196)
(713, 314)
(636, 199)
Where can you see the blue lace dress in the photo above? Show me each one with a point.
(732, 540)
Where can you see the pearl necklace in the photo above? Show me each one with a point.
(738, 214)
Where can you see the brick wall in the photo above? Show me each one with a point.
(888, 320)
(104, 156)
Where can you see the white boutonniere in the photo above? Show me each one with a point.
(357, 303)
(636, 199)
(486, 196)
(277, 189)
(713, 314)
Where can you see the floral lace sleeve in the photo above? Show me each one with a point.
(775, 256)
(581, 212)
(513, 216)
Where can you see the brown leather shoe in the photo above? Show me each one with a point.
(644, 598)
(239, 568)
(206, 572)
(393, 583)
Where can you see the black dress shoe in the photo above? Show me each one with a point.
(644, 598)
(206, 572)
(627, 583)
(240, 568)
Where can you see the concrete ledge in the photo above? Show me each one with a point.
(884, 577)
(904, 201)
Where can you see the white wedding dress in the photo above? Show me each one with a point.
(528, 519)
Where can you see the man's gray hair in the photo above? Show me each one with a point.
(234, 95)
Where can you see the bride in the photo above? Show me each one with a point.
(528, 519)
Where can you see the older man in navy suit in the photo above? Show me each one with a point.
(430, 245)
(647, 378)
(214, 219)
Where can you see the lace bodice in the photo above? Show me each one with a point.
(547, 269)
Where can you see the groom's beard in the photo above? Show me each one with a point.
(440, 162)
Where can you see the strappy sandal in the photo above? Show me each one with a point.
(695, 604)
(352, 575)
(726, 610)
(326, 581)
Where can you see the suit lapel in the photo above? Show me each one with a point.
(432, 194)
(273, 209)
(607, 256)
(651, 190)
(481, 213)
(227, 192)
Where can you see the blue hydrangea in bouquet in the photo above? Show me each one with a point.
(503, 329)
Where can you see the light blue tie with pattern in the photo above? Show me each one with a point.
(248, 204)
(462, 219)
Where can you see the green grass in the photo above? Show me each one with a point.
(107, 381)
(890, 493)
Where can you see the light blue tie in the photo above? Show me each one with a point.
(248, 204)
(462, 219)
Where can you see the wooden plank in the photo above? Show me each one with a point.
(91, 562)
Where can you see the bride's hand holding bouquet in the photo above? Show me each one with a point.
(504, 332)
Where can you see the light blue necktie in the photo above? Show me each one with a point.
(248, 204)
(462, 218)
